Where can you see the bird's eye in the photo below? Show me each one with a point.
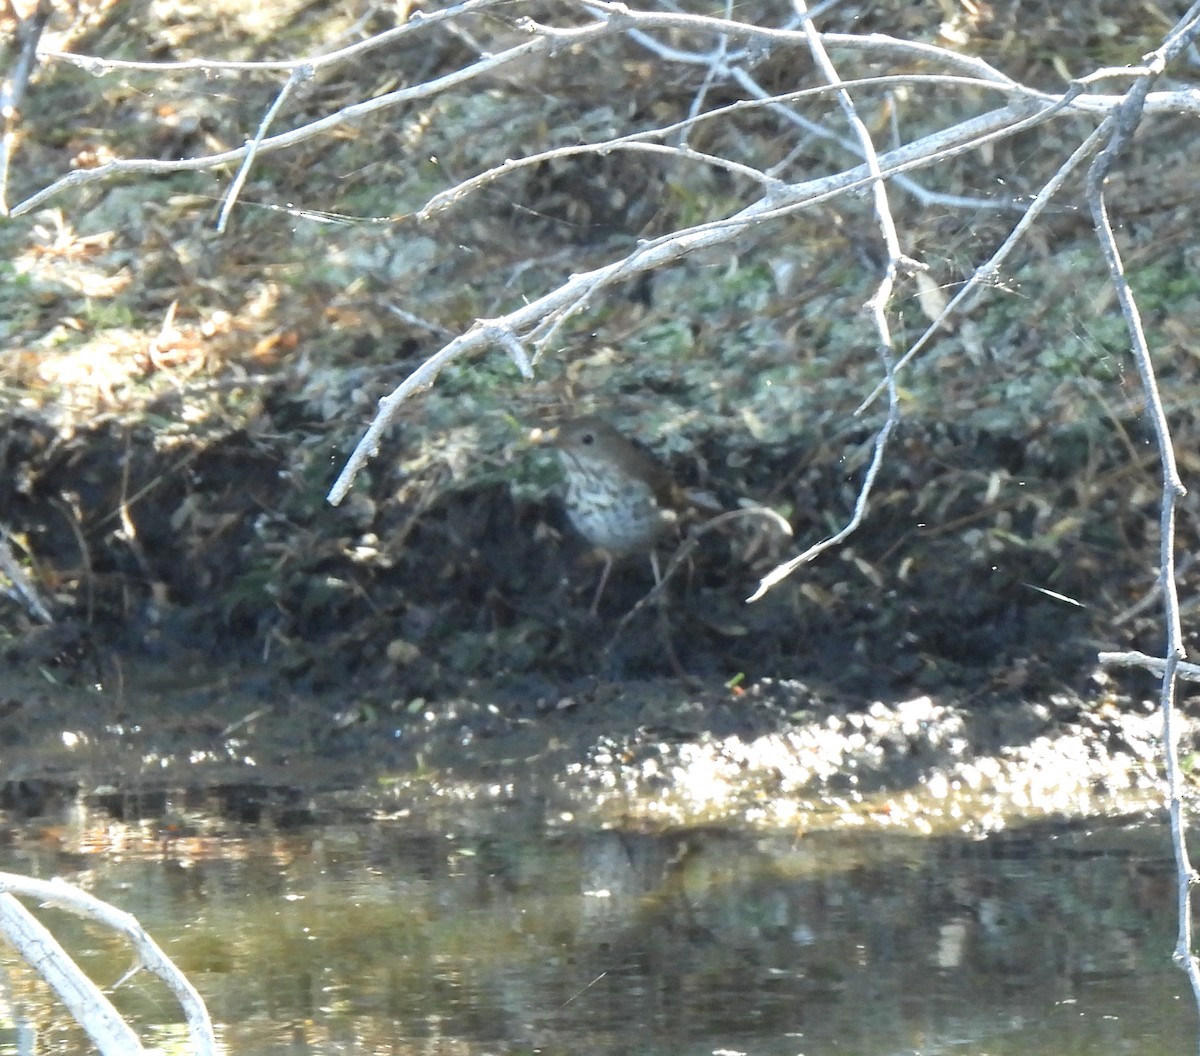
(587, 439)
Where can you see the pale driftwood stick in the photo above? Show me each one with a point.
(87, 1005)
(149, 955)
(1156, 665)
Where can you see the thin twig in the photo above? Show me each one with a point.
(989, 270)
(688, 545)
(543, 40)
(714, 70)
(299, 74)
(538, 320)
(969, 135)
(680, 129)
(778, 105)
(877, 306)
(418, 22)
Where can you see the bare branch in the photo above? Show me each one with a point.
(1121, 126)
(989, 270)
(542, 317)
(543, 40)
(418, 21)
(776, 102)
(680, 129)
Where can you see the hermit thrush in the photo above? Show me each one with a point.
(619, 497)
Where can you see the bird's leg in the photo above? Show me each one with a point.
(608, 564)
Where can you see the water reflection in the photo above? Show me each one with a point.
(507, 935)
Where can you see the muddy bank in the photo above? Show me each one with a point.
(217, 624)
(649, 755)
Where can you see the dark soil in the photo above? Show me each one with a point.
(256, 653)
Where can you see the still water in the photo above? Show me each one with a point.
(510, 932)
